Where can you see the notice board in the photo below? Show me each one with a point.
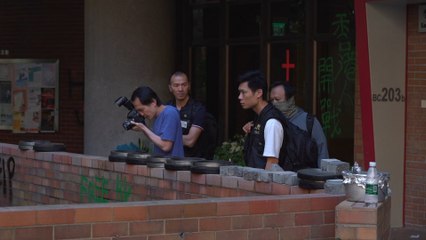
(29, 95)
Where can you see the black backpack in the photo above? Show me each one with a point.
(299, 150)
(209, 137)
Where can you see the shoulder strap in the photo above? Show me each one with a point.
(309, 123)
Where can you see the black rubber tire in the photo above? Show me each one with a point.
(205, 170)
(316, 174)
(211, 163)
(26, 147)
(155, 165)
(137, 158)
(29, 144)
(119, 153)
(309, 184)
(116, 158)
(177, 167)
(49, 147)
(136, 161)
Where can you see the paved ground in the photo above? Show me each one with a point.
(408, 233)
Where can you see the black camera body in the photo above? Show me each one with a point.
(132, 115)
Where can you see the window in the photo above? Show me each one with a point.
(307, 42)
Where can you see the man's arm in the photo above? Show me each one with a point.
(270, 161)
(274, 136)
(191, 138)
(198, 118)
(164, 145)
(321, 140)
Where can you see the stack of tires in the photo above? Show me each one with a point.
(315, 178)
(193, 164)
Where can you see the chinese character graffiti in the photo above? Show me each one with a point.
(336, 74)
(97, 190)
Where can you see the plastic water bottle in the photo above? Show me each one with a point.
(356, 168)
(372, 186)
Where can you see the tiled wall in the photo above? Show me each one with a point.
(209, 206)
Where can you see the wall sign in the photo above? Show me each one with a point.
(29, 95)
(422, 18)
(278, 29)
(389, 94)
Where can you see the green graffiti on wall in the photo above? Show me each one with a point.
(96, 190)
(336, 76)
(123, 189)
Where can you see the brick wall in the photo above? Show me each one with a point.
(65, 178)
(209, 206)
(50, 29)
(250, 218)
(355, 221)
(415, 172)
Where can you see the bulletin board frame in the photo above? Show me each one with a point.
(29, 95)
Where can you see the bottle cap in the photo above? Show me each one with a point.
(372, 164)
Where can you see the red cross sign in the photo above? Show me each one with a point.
(287, 65)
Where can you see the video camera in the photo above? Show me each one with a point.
(132, 115)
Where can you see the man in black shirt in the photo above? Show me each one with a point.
(192, 115)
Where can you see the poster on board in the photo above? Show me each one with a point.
(29, 95)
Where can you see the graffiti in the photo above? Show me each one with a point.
(325, 70)
(336, 75)
(123, 189)
(96, 190)
(7, 170)
(341, 26)
(330, 117)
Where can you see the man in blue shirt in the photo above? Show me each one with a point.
(166, 133)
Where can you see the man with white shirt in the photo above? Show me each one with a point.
(264, 141)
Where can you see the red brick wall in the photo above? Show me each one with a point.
(226, 207)
(50, 29)
(355, 221)
(415, 172)
(250, 218)
(65, 178)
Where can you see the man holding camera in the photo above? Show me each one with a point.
(166, 133)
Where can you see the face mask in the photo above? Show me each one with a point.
(288, 107)
(283, 106)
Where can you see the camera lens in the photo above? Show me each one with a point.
(128, 125)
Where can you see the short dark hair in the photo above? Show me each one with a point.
(255, 80)
(178, 74)
(145, 95)
(289, 88)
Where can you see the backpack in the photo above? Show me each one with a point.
(299, 150)
(209, 137)
(208, 140)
